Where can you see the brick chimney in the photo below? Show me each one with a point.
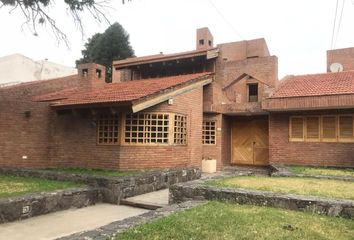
(205, 39)
(92, 75)
(344, 56)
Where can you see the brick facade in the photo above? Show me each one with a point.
(73, 141)
(282, 151)
(344, 56)
(36, 134)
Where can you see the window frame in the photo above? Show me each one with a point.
(341, 139)
(115, 117)
(292, 139)
(305, 123)
(171, 125)
(183, 130)
(248, 92)
(214, 131)
(336, 139)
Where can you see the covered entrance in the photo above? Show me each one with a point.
(250, 141)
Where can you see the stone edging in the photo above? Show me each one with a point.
(111, 230)
(197, 190)
(30, 205)
(102, 189)
(114, 189)
(283, 171)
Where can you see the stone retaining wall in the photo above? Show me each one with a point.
(31, 205)
(196, 190)
(114, 189)
(99, 189)
(283, 171)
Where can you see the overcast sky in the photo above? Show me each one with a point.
(297, 31)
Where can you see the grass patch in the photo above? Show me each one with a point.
(217, 220)
(97, 172)
(345, 172)
(296, 185)
(13, 186)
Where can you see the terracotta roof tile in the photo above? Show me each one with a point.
(316, 85)
(123, 91)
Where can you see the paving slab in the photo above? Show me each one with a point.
(159, 198)
(63, 223)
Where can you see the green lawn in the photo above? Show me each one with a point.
(296, 185)
(346, 172)
(217, 220)
(97, 172)
(13, 186)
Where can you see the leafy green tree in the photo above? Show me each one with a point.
(103, 48)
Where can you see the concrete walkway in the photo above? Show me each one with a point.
(63, 223)
(155, 198)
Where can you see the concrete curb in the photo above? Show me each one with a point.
(111, 230)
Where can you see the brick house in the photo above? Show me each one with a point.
(165, 111)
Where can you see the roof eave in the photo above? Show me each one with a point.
(120, 64)
(156, 98)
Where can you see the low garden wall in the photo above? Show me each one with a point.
(283, 171)
(113, 189)
(30, 205)
(197, 190)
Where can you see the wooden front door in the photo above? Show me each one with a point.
(250, 142)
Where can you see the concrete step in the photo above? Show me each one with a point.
(140, 204)
(152, 200)
(248, 170)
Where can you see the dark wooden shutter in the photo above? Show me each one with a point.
(296, 128)
(312, 128)
(346, 127)
(329, 128)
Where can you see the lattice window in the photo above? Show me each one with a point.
(209, 132)
(146, 128)
(180, 130)
(107, 129)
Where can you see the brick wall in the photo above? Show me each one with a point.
(230, 65)
(24, 125)
(73, 141)
(221, 151)
(281, 151)
(344, 56)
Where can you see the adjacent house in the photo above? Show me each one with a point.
(220, 102)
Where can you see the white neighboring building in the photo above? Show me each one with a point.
(17, 68)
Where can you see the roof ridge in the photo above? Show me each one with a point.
(325, 73)
(23, 84)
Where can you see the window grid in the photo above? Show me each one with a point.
(107, 129)
(325, 128)
(180, 130)
(209, 132)
(146, 128)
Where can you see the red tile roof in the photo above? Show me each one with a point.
(158, 57)
(121, 92)
(59, 95)
(316, 85)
